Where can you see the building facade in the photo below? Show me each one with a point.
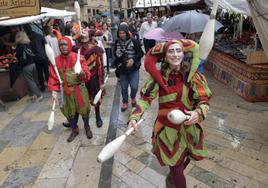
(90, 8)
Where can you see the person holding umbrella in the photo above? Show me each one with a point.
(179, 86)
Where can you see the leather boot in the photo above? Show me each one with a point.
(67, 123)
(74, 133)
(169, 182)
(88, 132)
(87, 127)
(99, 121)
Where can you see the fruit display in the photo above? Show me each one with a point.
(7, 59)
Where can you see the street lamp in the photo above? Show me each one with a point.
(113, 29)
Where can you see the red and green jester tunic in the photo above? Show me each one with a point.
(171, 142)
(75, 91)
(93, 56)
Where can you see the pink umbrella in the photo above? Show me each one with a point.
(173, 35)
(156, 34)
(159, 34)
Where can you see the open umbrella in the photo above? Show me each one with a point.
(159, 34)
(189, 22)
(173, 35)
(155, 34)
(105, 14)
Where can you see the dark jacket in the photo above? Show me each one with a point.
(38, 45)
(124, 50)
(24, 54)
(131, 50)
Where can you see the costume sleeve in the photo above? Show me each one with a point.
(104, 59)
(53, 81)
(148, 93)
(100, 68)
(85, 69)
(201, 95)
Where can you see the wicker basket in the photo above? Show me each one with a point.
(257, 57)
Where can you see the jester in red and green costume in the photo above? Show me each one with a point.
(75, 91)
(177, 85)
(93, 55)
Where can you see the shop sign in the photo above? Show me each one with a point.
(162, 8)
(141, 10)
(17, 8)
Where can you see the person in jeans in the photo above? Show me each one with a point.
(25, 58)
(128, 54)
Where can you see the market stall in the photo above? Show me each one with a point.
(247, 80)
(12, 84)
(239, 59)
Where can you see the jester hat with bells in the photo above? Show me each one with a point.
(87, 34)
(69, 43)
(159, 52)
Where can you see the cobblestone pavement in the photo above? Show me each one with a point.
(31, 156)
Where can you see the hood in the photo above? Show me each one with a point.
(125, 28)
(69, 42)
(158, 52)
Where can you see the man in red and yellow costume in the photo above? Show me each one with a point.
(75, 91)
(93, 55)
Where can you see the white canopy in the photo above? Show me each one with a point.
(55, 13)
(157, 3)
(6, 21)
(239, 6)
(45, 13)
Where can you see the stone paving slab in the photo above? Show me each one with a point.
(61, 159)
(49, 183)
(21, 177)
(31, 158)
(10, 155)
(85, 170)
(153, 177)
(210, 178)
(135, 180)
(118, 183)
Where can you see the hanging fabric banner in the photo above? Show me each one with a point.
(18, 8)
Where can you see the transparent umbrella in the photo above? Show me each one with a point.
(189, 22)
